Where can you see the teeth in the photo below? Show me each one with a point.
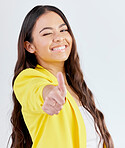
(59, 48)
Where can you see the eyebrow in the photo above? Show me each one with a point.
(51, 27)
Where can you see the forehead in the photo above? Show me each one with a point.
(49, 19)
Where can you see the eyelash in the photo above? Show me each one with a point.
(51, 33)
(64, 30)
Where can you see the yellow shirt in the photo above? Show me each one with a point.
(65, 130)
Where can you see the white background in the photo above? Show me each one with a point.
(99, 29)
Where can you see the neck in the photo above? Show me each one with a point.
(54, 68)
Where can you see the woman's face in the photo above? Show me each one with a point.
(51, 40)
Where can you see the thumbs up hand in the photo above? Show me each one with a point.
(55, 98)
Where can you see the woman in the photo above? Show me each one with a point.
(53, 107)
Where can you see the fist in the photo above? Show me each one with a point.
(55, 99)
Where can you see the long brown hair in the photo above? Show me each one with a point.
(20, 135)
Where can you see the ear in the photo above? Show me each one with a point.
(29, 47)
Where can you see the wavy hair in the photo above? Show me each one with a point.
(20, 135)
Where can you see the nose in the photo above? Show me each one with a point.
(58, 37)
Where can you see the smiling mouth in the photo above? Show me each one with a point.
(61, 48)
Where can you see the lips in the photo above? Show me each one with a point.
(59, 48)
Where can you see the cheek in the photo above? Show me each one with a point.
(69, 38)
(44, 43)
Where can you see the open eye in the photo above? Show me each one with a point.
(46, 34)
(63, 30)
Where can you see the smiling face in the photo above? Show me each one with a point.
(51, 40)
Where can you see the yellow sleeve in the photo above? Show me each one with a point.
(104, 146)
(28, 87)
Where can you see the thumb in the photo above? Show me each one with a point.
(61, 83)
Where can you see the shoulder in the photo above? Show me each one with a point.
(31, 73)
(31, 76)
